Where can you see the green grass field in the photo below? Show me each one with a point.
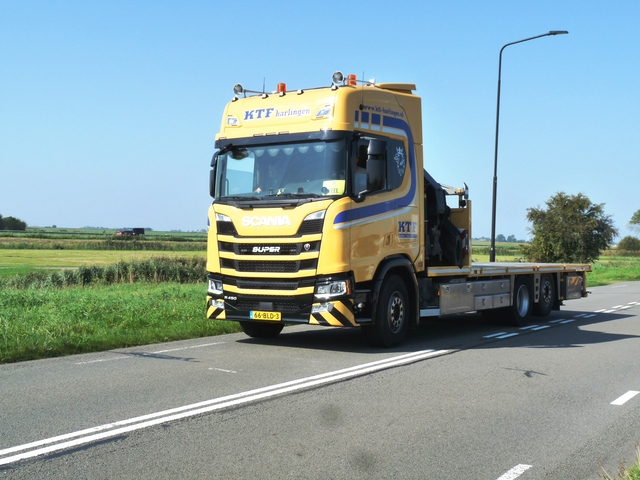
(61, 294)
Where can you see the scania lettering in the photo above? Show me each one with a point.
(265, 221)
(323, 213)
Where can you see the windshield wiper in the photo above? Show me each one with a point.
(299, 195)
(240, 198)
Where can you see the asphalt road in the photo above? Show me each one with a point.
(461, 399)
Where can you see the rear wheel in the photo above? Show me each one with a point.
(547, 296)
(392, 314)
(519, 312)
(261, 330)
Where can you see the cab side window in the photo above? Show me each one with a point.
(396, 163)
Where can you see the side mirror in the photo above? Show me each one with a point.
(212, 175)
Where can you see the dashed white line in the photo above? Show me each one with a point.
(540, 327)
(149, 354)
(494, 335)
(508, 335)
(625, 398)
(515, 472)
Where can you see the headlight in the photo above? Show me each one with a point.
(333, 288)
(315, 216)
(215, 286)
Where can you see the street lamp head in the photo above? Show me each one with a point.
(557, 32)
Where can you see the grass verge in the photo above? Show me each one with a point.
(624, 473)
(49, 322)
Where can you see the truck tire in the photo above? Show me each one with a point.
(261, 330)
(391, 319)
(547, 297)
(518, 314)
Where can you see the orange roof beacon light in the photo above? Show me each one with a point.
(282, 89)
(351, 79)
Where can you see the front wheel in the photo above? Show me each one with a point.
(261, 330)
(391, 319)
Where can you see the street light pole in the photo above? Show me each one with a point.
(492, 251)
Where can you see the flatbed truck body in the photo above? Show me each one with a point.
(323, 213)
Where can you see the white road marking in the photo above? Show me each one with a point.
(148, 354)
(223, 370)
(515, 472)
(625, 398)
(494, 335)
(93, 434)
(508, 335)
(540, 327)
(567, 321)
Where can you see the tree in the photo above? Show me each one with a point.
(634, 223)
(511, 239)
(12, 223)
(500, 238)
(570, 230)
(629, 244)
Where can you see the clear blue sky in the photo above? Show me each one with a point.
(108, 109)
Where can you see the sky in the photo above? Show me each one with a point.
(109, 108)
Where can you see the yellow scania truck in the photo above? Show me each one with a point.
(323, 213)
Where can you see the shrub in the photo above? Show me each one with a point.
(629, 244)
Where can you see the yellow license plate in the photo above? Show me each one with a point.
(258, 315)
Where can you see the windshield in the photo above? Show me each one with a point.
(304, 169)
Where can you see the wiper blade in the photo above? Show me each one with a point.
(299, 195)
(242, 197)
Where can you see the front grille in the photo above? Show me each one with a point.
(262, 285)
(308, 227)
(226, 228)
(268, 248)
(279, 306)
(259, 266)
